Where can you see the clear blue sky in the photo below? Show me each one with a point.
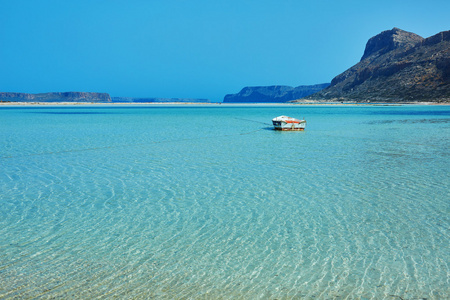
(196, 48)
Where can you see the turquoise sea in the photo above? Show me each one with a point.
(208, 202)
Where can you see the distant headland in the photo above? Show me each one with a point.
(273, 94)
(55, 97)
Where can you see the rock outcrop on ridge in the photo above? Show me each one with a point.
(397, 66)
(55, 97)
(273, 94)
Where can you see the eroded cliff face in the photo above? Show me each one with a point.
(396, 66)
(56, 97)
(389, 40)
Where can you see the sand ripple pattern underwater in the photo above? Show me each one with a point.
(196, 202)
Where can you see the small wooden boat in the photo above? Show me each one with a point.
(286, 123)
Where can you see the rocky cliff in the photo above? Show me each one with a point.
(55, 97)
(397, 66)
(273, 94)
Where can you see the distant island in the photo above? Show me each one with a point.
(273, 94)
(397, 66)
(55, 97)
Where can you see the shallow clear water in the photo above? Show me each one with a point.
(210, 202)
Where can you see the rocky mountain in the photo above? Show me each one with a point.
(275, 93)
(55, 97)
(148, 100)
(397, 66)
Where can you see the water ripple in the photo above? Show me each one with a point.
(323, 214)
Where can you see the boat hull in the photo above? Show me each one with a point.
(281, 126)
(284, 123)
